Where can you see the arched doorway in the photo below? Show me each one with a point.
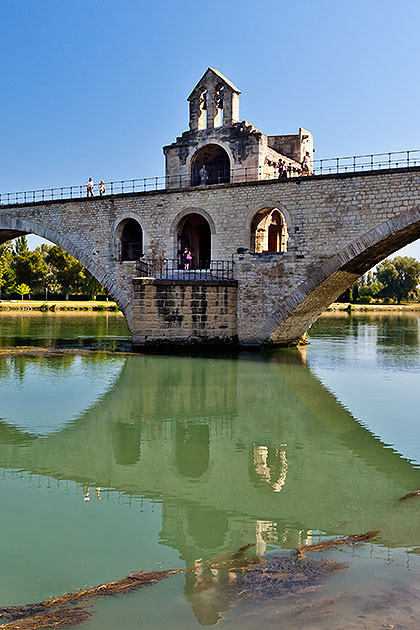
(131, 240)
(269, 232)
(194, 233)
(216, 164)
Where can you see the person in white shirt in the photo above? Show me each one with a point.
(89, 187)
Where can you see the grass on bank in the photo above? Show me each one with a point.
(58, 305)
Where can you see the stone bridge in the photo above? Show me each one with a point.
(321, 233)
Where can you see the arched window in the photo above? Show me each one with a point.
(269, 232)
(210, 165)
(130, 236)
(194, 233)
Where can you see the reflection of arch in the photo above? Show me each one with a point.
(194, 232)
(215, 160)
(126, 443)
(192, 449)
(208, 528)
(269, 231)
(268, 468)
(129, 237)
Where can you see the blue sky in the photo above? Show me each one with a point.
(96, 88)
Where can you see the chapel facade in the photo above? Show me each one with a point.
(218, 148)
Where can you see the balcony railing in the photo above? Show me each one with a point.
(325, 166)
(173, 269)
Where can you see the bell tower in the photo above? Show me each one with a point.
(214, 102)
(218, 148)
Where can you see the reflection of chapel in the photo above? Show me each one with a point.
(229, 150)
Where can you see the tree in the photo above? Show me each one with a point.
(29, 268)
(7, 277)
(21, 245)
(69, 273)
(400, 278)
(22, 289)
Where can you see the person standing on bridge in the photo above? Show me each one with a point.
(101, 187)
(204, 176)
(89, 187)
(306, 164)
(187, 258)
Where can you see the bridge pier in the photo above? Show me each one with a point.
(184, 311)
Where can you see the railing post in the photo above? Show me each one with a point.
(371, 162)
(408, 158)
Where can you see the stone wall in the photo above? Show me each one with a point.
(184, 311)
(339, 226)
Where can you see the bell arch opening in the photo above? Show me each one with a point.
(210, 165)
(269, 232)
(129, 236)
(194, 235)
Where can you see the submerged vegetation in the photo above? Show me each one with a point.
(235, 574)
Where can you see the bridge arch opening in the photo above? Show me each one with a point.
(194, 233)
(269, 232)
(210, 165)
(129, 236)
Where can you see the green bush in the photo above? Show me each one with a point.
(365, 299)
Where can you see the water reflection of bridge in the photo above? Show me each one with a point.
(236, 450)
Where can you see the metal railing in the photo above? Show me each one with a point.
(174, 269)
(368, 162)
(324, 166)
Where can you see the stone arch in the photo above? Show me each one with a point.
(11, 228)
(202, 145)
(116, 229)
(194, 233)
(268, 233)
(310, 299)
(174, 229)
(270, 203)
(210, 165)
(129, 239)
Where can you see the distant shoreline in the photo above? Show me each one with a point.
(346, 307)
(54, 306)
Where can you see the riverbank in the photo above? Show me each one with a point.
(373, 308)
(57, 305)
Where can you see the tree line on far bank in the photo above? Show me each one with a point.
(395, 280)
(45, 270)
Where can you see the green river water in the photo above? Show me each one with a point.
(115, 462)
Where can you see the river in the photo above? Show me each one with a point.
(112, 462)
